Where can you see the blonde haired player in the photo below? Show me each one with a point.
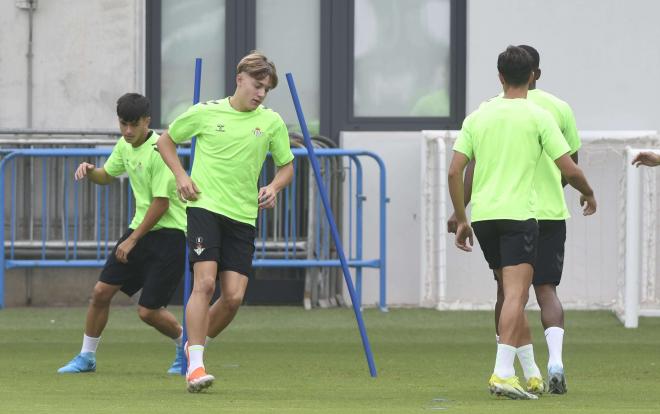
(234, 135)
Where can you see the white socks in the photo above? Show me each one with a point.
(178, 341)
(196, 357)
(526, 357)
(554, 336)
(89, 344)
(506, 354)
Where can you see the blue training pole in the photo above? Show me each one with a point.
(333, 226)
(187, 285)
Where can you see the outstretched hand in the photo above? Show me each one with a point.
(650, 159)
(83, 169)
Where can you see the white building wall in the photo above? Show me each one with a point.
(13, 47)
(601, 56)
(86, 54)
(402, 154)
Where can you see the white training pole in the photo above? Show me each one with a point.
(442, 223)
(632, 265)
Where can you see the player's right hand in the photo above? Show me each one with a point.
(186, 188)
(124, 248)
(452, 223)
(82, 170)
(464, 238)
(588, 204)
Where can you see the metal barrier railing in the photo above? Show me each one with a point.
(286, 238)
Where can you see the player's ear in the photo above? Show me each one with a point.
(499, 75)
(537, 74)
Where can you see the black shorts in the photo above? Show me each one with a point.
(155, 265)
(550, 257)
(214, 237)
(507, 242)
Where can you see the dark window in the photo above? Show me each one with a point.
(382, 64)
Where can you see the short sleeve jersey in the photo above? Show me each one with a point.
(230, 150)
(507, 137)
(149, 178)
(547, 181)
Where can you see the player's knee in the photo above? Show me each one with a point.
(102, 295)
(147, 315)
(545, 294)
(517, 299)
(233, 302)
(206, 286)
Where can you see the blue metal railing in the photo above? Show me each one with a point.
(288, 246)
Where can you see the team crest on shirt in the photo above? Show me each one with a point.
(220, 128)
(199, 246)
(135, 166)
(257, 132)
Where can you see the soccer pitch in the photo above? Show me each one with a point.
(288, 360)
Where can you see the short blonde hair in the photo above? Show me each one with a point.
(257, 65)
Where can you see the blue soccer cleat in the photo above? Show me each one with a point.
(556, 380)
(179, 362)
(83, 362)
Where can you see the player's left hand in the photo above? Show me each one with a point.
(267, 197)
(124, 249)
(649, 159)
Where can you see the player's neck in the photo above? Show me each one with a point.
(136, 144)
(235, 103)
(515, 92)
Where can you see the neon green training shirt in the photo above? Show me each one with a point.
(547, 182)
(150, 178)
(230, 150)
(507, 137)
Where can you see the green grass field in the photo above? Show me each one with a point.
(288, 360)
